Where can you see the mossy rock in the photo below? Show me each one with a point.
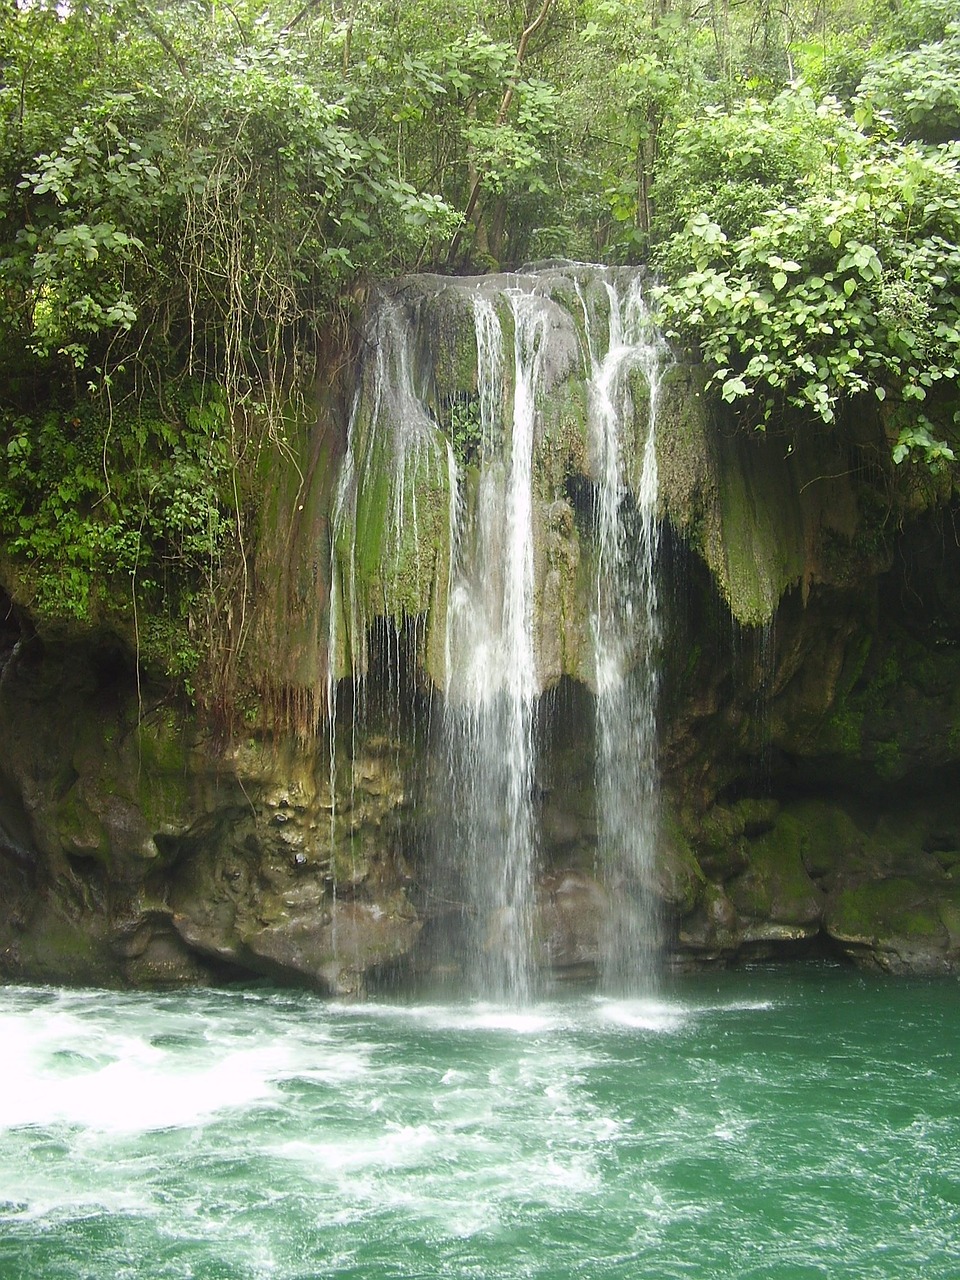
(759, 508)
(560, 608)
(59, 948)
(776, 886)
(163, 777)
(684, 453)
(681, 882)
(760, 545)
(393, 557)
(719, 839)
(842, 733)
(284, 659)
(897, 923)
(560, 451)
(80, 831)
(712, 931)
(447, 344)
(830, 839)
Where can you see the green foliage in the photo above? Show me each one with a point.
(918, 440)
(920, 88)
(649, 72)
(463, 423)
(217, 198)
(846, 282)
(195, 195)
(915, 22)
(190, 195)
(109, 518)
(739, 164)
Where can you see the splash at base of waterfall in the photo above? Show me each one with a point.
(780, 1124)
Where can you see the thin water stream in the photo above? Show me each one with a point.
(626, 631)
(771, 1125)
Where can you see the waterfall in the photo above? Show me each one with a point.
(626, 634)
(438, 457)
(491, 680)
(383, 525)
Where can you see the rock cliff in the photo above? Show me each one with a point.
(808, 709)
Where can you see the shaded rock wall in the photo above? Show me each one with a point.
(135, 847)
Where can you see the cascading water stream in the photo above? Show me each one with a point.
(492, 685)
(626, 634)
(400, 446)
(389, 459)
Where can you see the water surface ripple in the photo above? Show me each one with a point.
(776, 1124)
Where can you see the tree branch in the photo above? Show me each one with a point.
(299, 16)
(505, 102)
(162, 40)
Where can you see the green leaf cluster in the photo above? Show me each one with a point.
(843, 281)
(194, 196)
(123, 520)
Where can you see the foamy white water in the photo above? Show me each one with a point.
(770, 1124)
(491, 681)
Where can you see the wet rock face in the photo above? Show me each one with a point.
(868, 883)
(815, 774)
(297, 886)
(137, 850)
(571, 910)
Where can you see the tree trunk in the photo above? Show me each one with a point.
(528, 32)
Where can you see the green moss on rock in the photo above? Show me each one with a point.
(829, 840)
(842, 733)
(881, 912)
(776, 885)
(680, 878)
(448, 344)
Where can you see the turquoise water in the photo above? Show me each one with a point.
(775, 1123)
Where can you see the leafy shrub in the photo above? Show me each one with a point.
(849, 283)
(104, 518)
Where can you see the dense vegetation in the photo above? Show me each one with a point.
(194, 195)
